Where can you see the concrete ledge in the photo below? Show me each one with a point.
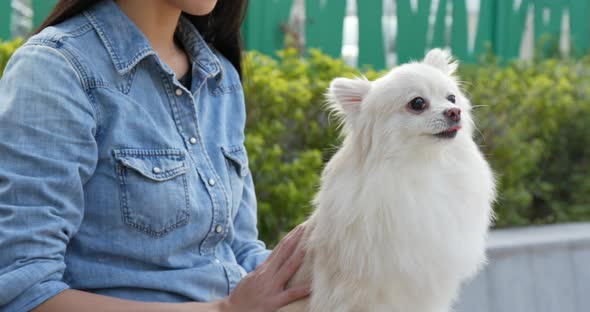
(538, 236)
(533, 269)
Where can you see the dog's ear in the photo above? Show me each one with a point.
(345, 95)
(442, 60)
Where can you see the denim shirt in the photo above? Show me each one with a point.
(115, 178)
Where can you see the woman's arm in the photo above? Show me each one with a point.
(249, 250)
(260, 291)
(48, 151)
(75, 300)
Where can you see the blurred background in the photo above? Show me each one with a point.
(525, 67)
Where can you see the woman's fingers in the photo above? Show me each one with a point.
(291, 266)
(279, 246)
(293, 294)
(264, 289)
(284, 250)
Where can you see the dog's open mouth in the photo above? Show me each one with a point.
(449, 133)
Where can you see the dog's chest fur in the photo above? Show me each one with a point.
(400, 236)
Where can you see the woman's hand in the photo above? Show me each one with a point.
(264, 289)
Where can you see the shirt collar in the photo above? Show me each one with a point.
(127, 45)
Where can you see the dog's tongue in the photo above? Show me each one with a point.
(455, 128)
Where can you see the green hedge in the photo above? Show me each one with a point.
(6, 50)
(534, 127)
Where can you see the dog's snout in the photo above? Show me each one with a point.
(453, 114)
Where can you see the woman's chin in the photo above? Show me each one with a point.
(198, 7)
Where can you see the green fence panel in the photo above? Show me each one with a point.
(459, 31)
(548, 16)
(412, 29)
(323, 26)
(459, 34)
(262, 27)
(579, 26)
(41, 9)
(510, 23)
(5, 19)
(485, 35)
(439, 34)
(500, 27)
(370, 44)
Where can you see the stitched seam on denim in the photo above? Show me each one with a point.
(241, 160)
(131, 76)
(208, 242)
(54, 39)
(194, 40)
(122, 192)
(52, 42)
(219, 90)
(235, 201)
(104, 37)
(169, 173)
(233, 148)
(97, 84)
(210, 239)
(174, 108)
(86, 82)
(230, 163)
(82, 29)
(137, 58)
(187, 204)
(231, 203)
(99, 127)
(228, 277)
(123, 151)
(218, 59)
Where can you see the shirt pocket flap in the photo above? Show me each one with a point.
(161, 166)
(238, 158)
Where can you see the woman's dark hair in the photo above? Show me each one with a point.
(221, 27)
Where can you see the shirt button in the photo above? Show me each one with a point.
(156, 170)
(211, 182)
(217, 261)
(179, 92)
(193, 140)
(218, 229)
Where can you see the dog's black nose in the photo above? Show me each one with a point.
(453, 114)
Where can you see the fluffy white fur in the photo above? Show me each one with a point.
(402, 215)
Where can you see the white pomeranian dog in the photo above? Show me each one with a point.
(404, 206)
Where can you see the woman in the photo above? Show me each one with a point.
(124, 183)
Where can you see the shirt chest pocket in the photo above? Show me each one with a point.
(153, 189)
(237, 169)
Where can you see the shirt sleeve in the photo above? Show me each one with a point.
(48, 151)
(249, 250)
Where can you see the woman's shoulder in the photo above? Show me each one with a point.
(71, 36)
(78, 46)
(48, 51)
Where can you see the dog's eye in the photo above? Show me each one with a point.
(417, 105)
(451, 98)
